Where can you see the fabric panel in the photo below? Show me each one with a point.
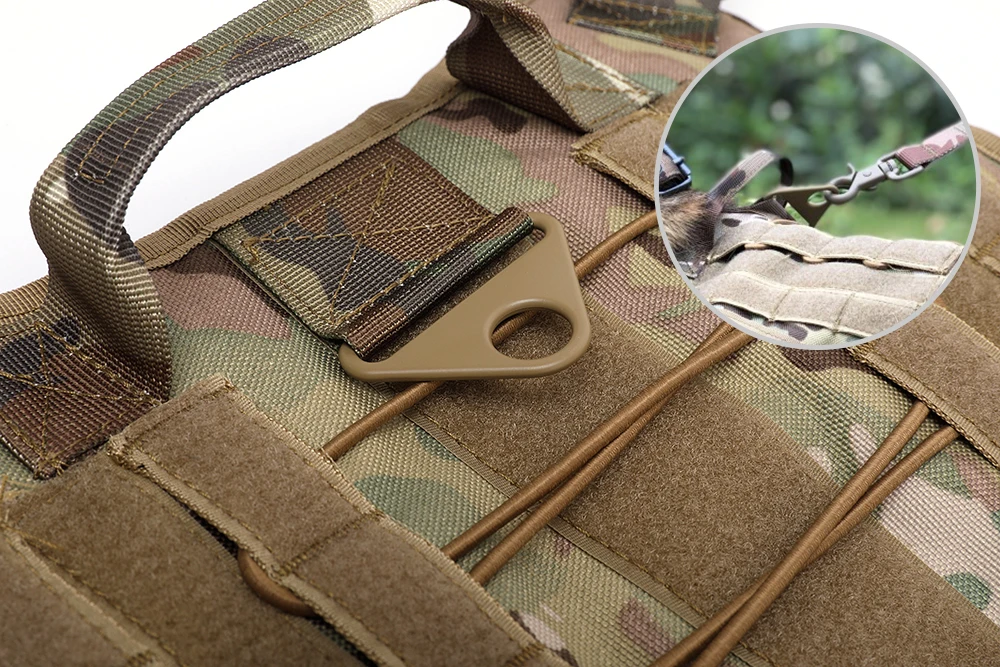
(314, 533)
(352, 244)
(133, 546)
(691, 26)
(950, 367)
(46, 620)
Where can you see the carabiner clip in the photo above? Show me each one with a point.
(888, 168)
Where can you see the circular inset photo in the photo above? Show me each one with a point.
(817, 187)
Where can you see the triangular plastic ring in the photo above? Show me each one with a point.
(459, 347)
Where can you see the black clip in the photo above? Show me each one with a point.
(675, 184)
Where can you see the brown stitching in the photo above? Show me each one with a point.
(180, 71)
(383, 187)
(78, 577)
(370, 234)
(525, 654)
(321, 203)
(337, 320)
(313, 549)
(41, 450)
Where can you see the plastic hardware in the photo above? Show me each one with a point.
(685, 170)
(459, 345)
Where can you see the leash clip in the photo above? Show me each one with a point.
(888, 168)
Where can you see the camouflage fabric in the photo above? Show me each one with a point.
(366, 247)
(561, 589)
(97, 279)
(690, 26)
(934, 147)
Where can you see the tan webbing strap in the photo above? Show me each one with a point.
(46, 620)
(391, 593)
(949, 366)
(120, 540)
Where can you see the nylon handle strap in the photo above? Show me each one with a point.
(78, 209)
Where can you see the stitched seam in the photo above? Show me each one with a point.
(78, 577)
(168, 504)
(221, 508)
(376, 205)
(64, 599)
(610, 548)
(199, 78)
(257, 415)
(343, 605)
(41, 449)
(525, 654)
(307, 554)
(331, 318)
(659, 11)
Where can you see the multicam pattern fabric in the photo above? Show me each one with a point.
(586, 613)
(364, 248)
(934, 147)
(97, 277)
(690, 26)
(830, 405)
(640, 285)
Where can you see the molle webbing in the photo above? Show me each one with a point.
(951, 367)
(390, 592)
(937, 257)
(855, 285)
(690, 26)
(120, 540)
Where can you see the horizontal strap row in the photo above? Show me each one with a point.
(937, 257)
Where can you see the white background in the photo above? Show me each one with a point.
(62, 64)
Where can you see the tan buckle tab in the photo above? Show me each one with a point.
(459, 345)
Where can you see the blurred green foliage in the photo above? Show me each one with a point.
(825, 97)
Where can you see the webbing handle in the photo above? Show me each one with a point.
(78, 209)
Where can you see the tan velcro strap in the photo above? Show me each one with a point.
(949, 366)
(395, 596)
(936, 257)
(628, 148)
(46, 620)
(120, 540)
